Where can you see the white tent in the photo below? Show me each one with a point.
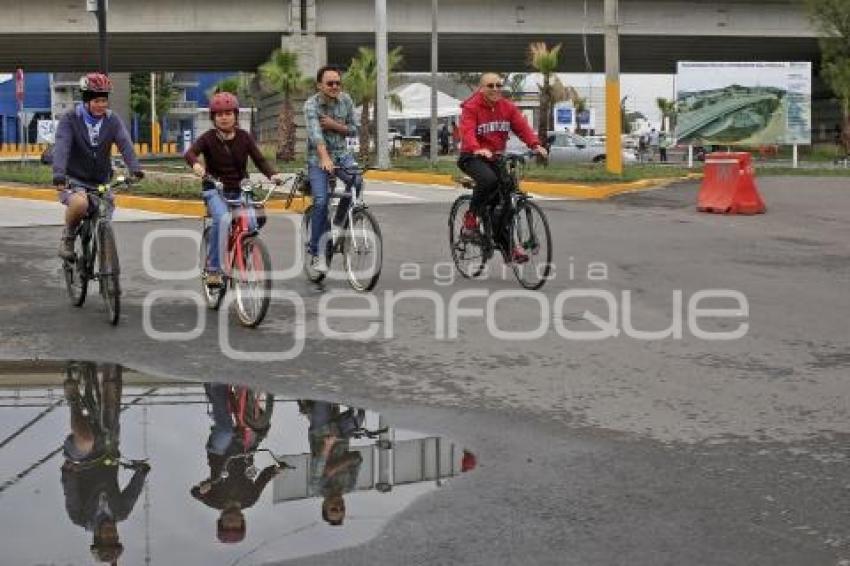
(416, 103)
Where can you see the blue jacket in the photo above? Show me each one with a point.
(74, 156)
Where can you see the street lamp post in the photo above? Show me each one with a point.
(434, 67)
(101, 35)
(98, 8)
(383, 84)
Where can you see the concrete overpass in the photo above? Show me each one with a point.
(176, 35)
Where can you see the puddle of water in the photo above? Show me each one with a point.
(187, 473)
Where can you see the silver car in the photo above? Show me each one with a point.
(566, 147)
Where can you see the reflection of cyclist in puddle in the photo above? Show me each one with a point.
(333, 466)
(230, 486)
(93, 497)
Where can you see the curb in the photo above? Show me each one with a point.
(569, 190)
(178, 207)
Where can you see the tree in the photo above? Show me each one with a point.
(668, 113)
(361, 82)
(282, 74)
(544, 61)
(469, 80)
(140, 95)
(832, 19)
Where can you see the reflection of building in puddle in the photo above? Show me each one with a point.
(385, 464)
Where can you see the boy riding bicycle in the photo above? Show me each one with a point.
(485, 123)
(82, 154)
(226, 148)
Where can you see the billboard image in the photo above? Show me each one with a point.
(744, 103)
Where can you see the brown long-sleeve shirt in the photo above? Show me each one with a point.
(229, 167)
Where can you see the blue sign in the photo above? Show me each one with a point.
(564, 115)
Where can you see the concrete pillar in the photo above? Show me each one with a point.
(312, 51)
(119, 100)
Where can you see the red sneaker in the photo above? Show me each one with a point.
(518, 254)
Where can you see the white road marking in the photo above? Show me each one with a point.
(392, 194)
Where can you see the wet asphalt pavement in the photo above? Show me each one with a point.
(614, 451)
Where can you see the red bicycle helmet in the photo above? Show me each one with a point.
(222, 102)
(96, 82)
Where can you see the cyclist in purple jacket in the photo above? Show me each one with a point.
(83, 150)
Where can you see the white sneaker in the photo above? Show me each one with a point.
(318, 264)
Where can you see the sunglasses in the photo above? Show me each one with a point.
(333, 83)
(495, 85)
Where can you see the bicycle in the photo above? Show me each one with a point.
(251, 411)
(97, 398)
(358, 240)
(511, 220)
(95, 251)
(247, 255)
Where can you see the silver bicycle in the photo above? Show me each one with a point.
(358, 240)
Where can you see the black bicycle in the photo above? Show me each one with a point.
(96, 252)
(94, 393)
(359, 241)
(512, 222)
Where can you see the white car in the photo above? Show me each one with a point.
(566, 147)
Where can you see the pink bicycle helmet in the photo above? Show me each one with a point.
(222, 102)
(96, 83)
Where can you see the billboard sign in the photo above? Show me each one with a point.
(564, 116)
(752, 103)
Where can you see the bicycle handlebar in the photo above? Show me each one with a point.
(247, 186)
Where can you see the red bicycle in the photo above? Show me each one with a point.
(247, 265)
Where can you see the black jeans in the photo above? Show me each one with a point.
(486, 175)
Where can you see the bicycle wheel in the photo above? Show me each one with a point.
(258, 409)
(530, 230)
(212, 295)
(76, 273)
(252, 282)
(468, 253)
(109, 272)
(306, 231)
(363, 250)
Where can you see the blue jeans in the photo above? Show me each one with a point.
(319, 188)
(219, 229)
(221, 433)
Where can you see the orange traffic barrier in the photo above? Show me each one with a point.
(729, 185)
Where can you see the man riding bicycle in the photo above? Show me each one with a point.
(487, 118)
(94, 499)
(329, 116)
(226, 148)
(82, 153)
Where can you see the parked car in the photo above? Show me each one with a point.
(566, 147)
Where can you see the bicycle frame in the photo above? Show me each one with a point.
(240, 225)
(89, 227)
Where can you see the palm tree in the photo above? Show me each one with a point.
(668, 113)
(361, 82)
(544, 61)
(282, 74)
